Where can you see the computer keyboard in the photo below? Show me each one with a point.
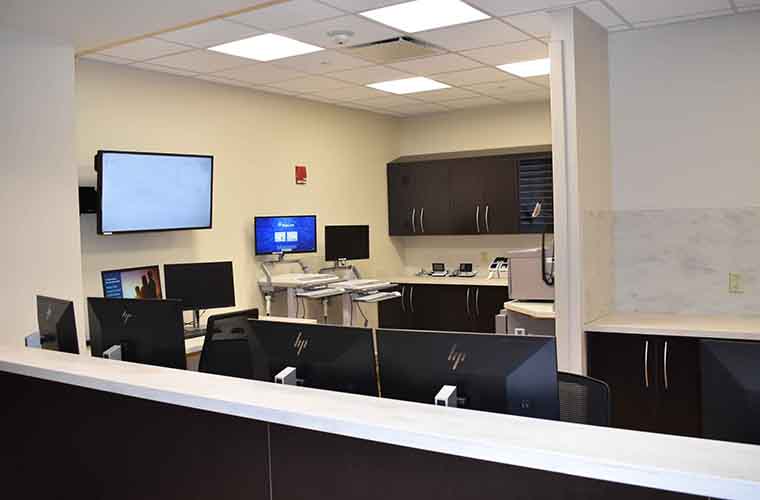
(321, 293)
(377, 297)
(193, 334)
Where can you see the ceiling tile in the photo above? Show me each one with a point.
(420, 108)
(223, 81)
(209, 34)
(510, 7)
(680, 19)
(201, 61)
(509, 53)
(601, 14)
(444, 95)
(472, 102)
(147, 48)
(540, 80)
(538, 24)
(260, 73)
(636, 11)
(324, 61)
(286, 15)
(436, 64)
(354, 93)
(107, 59)
(163, 69)
(505, 88)
(528, 97)
(370, 74)
(388, 101)
(364, 31)
(310, 84)
(473, 35)
(472, 76)
(747, 4)
(361, 5)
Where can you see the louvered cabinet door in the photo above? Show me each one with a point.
(535, 186)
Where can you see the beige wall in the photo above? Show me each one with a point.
(469, 130)
(256, 140)
(38, 188)
(686, 153)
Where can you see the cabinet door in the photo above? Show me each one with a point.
(628, 363)
(680, 382)
(401, 194)
(535, 184)
(488, 301)
(466, 191)
(394, 314)
(455, 311)
(501, 205)
(431, 198)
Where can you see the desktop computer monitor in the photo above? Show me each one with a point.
(334, 358)
(346, 243)
(279, 235)
(58, 328)
(208, 285)
(148, 331)
(730, 390)
(132, 283)
(496, 373)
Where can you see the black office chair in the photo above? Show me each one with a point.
(225, 347)
(583, 400)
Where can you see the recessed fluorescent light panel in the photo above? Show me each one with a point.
(422, 15)
(266, 47)
(526, 69)
(409, 85)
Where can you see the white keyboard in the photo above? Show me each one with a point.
(322, 293)
(377, 297)
(310, 277)
(362, 285)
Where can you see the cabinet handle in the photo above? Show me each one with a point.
(477, 217)
(467, 303)
(411, 298)
(646, 363)
(422, 219)
(414, 227)
(403, 296)
(488, 229)
(477, 302)
(665, 364)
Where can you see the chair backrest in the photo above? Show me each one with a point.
(583, 400)
(225, 347)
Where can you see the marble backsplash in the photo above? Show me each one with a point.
(678, 260)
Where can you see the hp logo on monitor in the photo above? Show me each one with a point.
(301, 343)
(456, 358)
(126, 316)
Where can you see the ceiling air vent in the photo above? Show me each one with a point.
(395, 50)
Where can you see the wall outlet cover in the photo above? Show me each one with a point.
(735, 283)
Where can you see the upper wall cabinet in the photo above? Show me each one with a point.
(485, 194)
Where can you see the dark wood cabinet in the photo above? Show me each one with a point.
(476, 195)
(654, 381)
(443, 308)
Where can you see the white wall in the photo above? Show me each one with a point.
(256, 139)
(582, 180)
(686, 165)
(38, 192)
(470, 130)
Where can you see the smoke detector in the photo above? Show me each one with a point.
(341, 37)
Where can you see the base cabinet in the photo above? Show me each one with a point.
(654, 381)
(444, 308)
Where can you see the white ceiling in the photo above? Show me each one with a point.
(518, 31)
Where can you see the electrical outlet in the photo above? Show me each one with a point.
(484, 258)
(735, 283)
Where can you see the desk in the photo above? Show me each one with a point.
(473, 448)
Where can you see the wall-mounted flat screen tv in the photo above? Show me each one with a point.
(140, 192)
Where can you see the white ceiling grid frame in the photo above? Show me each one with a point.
(286, 15)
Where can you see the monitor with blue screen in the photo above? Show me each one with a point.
(289, 234)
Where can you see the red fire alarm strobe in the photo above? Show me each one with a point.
(300, 174)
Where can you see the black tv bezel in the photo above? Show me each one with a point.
(127, 269)
(316, 234)
(99, 170)
(369, 242)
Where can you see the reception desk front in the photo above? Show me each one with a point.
(76, 426)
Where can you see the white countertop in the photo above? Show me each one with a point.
(537, 310)
(686, 325)
(479, 280)
(695, 466)
(195, 345)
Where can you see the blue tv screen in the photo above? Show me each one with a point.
(153, 191)
(293, 234)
